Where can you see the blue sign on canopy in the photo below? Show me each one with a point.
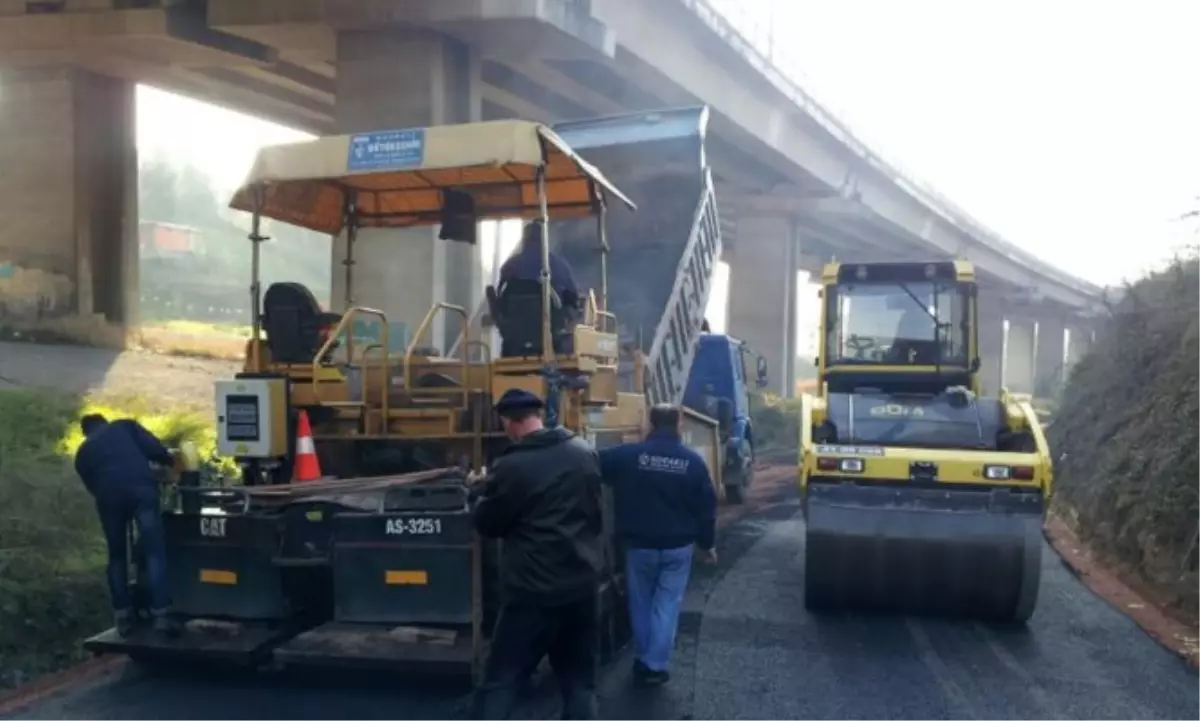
(387, 150)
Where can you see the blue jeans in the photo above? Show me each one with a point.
(657, 580)
(139, 505)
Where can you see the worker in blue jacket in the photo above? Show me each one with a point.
(114, 464)
(526, 265)
(665, 506)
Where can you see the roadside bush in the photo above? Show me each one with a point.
(1126, 440)
(52, 588)
(776, 421)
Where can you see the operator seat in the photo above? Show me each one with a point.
(516, 311)
(294, 323)
(914, 343)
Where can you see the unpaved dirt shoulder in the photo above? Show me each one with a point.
(76, 369)
(1171, 632)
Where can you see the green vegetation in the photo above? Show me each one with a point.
(52, 588)
(1125, 436)
(776, 423)
(211, 281)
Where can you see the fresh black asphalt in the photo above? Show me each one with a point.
(748, 649)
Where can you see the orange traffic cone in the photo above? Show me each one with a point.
(307, 467)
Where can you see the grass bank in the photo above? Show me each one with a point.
(776, 423)
(1126, 440)
(52, 589)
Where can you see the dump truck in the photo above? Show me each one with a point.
(719, 387)
(657, 277)
(919, 494)
(378, 565)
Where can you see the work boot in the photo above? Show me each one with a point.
(656, 678)
(164, 624)
(646, 676)
(126, 622)
(639, 670)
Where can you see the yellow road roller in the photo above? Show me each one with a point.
(919, 495)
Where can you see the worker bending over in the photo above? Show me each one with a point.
(114, 464)
(665, 504)
(543, 498)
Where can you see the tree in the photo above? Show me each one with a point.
(185, 195)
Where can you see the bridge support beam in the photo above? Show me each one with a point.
(762, 294)
(68, 199)
(1050, 354)
(393, 79)
(1018, 355)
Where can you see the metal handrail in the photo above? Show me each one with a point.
(464, 339)
(383, 383)
(596, 318)
(485, 357)
(337, 332)
(612, 321)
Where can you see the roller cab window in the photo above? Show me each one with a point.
(921, 323)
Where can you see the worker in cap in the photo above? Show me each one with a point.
(542, 497)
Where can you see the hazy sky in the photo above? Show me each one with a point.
(1071, 128)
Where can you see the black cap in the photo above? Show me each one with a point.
(516, 399)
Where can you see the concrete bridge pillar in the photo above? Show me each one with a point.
(991, 351)
(68, 198)
(1019, 355)
(762, 293)
(395, 79)
(1079, 343)
(1050, 354)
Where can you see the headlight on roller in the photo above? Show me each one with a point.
(843, 465)
(1004, 473)
(997, 473)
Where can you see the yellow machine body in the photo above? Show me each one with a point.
(919, 495)
(378, 564)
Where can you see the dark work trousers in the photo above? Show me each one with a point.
(569, 634)
(116, 510)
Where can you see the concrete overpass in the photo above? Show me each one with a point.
(796, 188)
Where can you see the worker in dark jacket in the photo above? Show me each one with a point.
(665, 504)
(527, 265)
(114, 464)
(542, 497)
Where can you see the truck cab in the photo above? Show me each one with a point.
(718, 387)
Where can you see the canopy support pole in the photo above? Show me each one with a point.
(547, 335)
(256, 239)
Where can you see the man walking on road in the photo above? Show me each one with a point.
(543, 498)
(114, 464)
(665, 504)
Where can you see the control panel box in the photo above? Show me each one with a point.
(252, 417)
